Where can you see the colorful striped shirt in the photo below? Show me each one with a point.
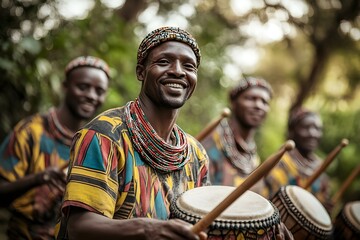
(289, 172)
(36, 143)
(114, 179)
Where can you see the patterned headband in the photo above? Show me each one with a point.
(164, 34)
(88, 61)
(249, 82)
(297, 115)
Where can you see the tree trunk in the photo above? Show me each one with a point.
(131, 9)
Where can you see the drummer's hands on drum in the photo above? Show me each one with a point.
(282, 233)
(174, 229)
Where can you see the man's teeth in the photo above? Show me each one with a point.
(174, 85)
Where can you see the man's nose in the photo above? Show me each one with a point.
(314, 132)
(177, 69)
(92, 94)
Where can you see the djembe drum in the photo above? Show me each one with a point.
(347, 222)
(250, 217)
(302, 213)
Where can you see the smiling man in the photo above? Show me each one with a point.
(231, 146)
(33, 154)
(129, 163)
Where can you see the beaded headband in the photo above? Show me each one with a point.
(297, 115)
(87, 61)
(249, 82)
(164, 34)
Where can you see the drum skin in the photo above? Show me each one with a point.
(347, 222)
(303, 214)
(250, 217)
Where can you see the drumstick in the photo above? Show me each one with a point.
(346, 184)
(207, 130)
(325, 164)
(254, 177)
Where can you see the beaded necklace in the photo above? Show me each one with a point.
(155, 151)
(245, 161)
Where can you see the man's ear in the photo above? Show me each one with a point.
(140, 72)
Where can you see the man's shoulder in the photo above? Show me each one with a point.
(113, 113)
(33, 121)
(110, 122)
(196, 147)
(192, 140)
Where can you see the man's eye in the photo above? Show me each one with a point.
(163, 61)
(248, 97)
(100, 92)
(82, 86)
(190, 66)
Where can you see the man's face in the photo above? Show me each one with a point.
(169, 74)
(86, 89)
(251, 107)
(307, 133)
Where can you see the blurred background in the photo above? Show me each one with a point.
(308, 50)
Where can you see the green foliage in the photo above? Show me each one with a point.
(19, 51)
(339, 125)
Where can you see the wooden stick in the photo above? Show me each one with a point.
(253, 178)
(325, 164)
(345, 185)
(211, 126)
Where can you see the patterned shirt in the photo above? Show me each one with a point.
(222, 167)
(289, 172)
(104, 163)
(36, 143)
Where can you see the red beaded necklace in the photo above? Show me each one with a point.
(155, 151)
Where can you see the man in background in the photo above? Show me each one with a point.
(231, 146)
(35, 154)
(298, 165)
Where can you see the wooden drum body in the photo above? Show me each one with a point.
(347, 222)
(250, 217)
(302, 213)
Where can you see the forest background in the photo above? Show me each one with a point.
(308, 50)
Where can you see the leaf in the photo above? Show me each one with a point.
(31, 45)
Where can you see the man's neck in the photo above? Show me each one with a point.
(161, 119)
(244, 137)
(246, 133)
(68, 120)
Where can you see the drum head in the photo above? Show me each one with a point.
(352, 214)
(249, 211)
(309, 206)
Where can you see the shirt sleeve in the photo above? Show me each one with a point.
(16, 152)
(92, 179)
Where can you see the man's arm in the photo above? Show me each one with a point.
(83, 224)
(9, 191)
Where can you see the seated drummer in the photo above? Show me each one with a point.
(231, 146)
(131, 161)
(295, 168)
